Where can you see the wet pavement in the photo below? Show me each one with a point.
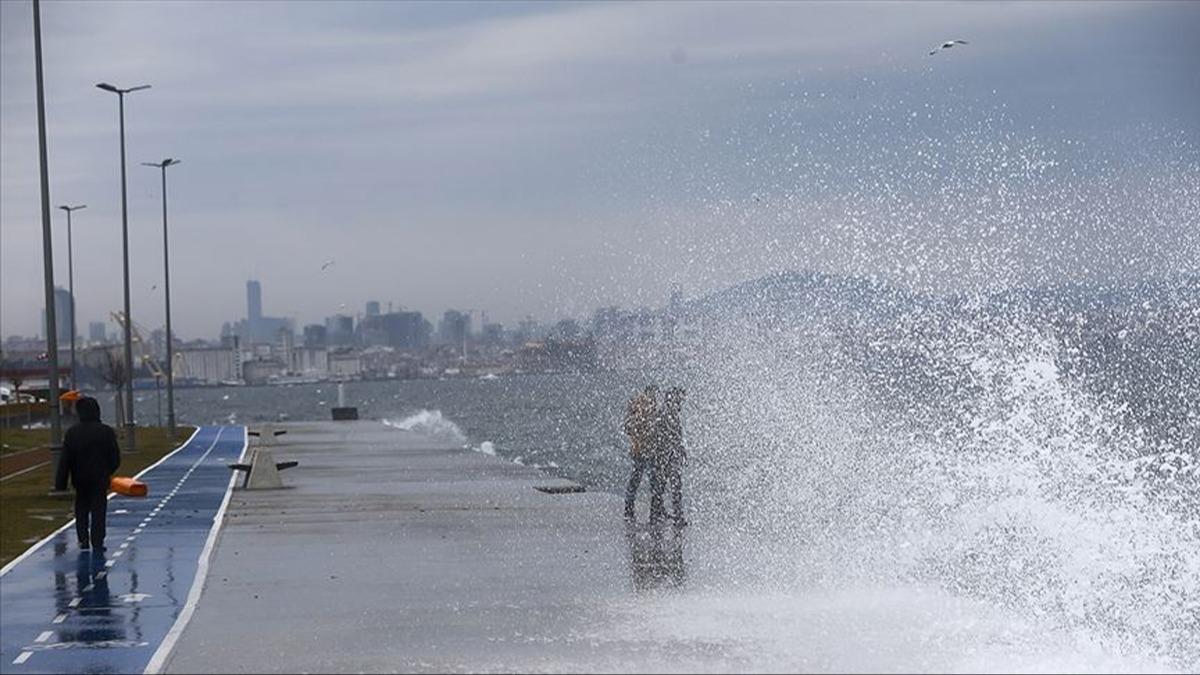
(66, 610)
(395, 552)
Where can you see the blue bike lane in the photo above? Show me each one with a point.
(63, 610)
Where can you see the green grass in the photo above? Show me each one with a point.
(27, 511)
(17, 440)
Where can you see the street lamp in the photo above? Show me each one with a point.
(167, 291)
(130, 442)
(47, 253)
(71, 287)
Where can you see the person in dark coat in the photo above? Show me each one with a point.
(90, 457)
(670, 452)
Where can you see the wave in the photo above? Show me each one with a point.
(431, 423)
(997, 477)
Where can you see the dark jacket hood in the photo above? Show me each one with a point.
(88, 409)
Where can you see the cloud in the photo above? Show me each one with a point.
(479, 144)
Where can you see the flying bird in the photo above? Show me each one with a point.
(327, 264)
(947, 45)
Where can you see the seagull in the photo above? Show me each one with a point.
(947, 45)
(327, 264)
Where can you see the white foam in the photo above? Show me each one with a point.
(431, 423)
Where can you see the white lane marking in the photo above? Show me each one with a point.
(33, 549)
(101, 574)
(88, 588)
(118, 554)
(46, 635)
(189, 607)
(22, 658)
(74, 602)
(110, 563)
(124, 544)
(60, 618)
(130, 538)
(22, 472)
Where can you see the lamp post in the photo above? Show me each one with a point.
(71, 287)
(130, 441)
(167, 291)
(47, 251)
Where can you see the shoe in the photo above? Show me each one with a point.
(84, 545)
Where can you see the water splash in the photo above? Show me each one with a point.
(431, 423)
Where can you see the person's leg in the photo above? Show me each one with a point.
(635, 480)
(657, 483)
(99, 516)
(677, 492)
(83, 507)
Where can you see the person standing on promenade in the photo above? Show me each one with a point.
(90, 456)
(640, 421)
(670, 452)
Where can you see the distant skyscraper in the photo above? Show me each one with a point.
(62, 316)
(259, 329)
(372, 308)
(96, 331)
(253, 302)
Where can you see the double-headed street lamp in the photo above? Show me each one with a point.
(71, 287)
(129, 435)
(167, 291)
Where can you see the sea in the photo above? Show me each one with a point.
(878, 482)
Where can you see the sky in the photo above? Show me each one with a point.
(549, 158)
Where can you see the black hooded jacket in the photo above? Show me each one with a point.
(90, 452)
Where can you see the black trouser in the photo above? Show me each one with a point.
(672, 479)
(91, 513)
(640, 465)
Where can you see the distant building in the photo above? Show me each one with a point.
(208, 364)
(345, 364)
(310, 361)
(96, 331)
(339, 330)
(454, 327)
(401, 330)
(260, 371)
(256, 328)
(372, 308)
(63, 304)
(492, 334)
(316, 336)
(253, 300)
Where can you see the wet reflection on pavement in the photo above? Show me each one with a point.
(107, 611)
(656, 556)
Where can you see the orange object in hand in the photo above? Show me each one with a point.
(129, 487)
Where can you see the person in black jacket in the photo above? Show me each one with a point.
(670, 453)
(90, 457)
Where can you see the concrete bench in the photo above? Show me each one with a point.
(262, 472)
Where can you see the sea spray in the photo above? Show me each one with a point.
(431, 423)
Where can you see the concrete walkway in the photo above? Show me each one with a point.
(391, 552)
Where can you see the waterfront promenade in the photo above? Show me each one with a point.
(390, 551)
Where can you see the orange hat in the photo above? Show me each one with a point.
(70, 395)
